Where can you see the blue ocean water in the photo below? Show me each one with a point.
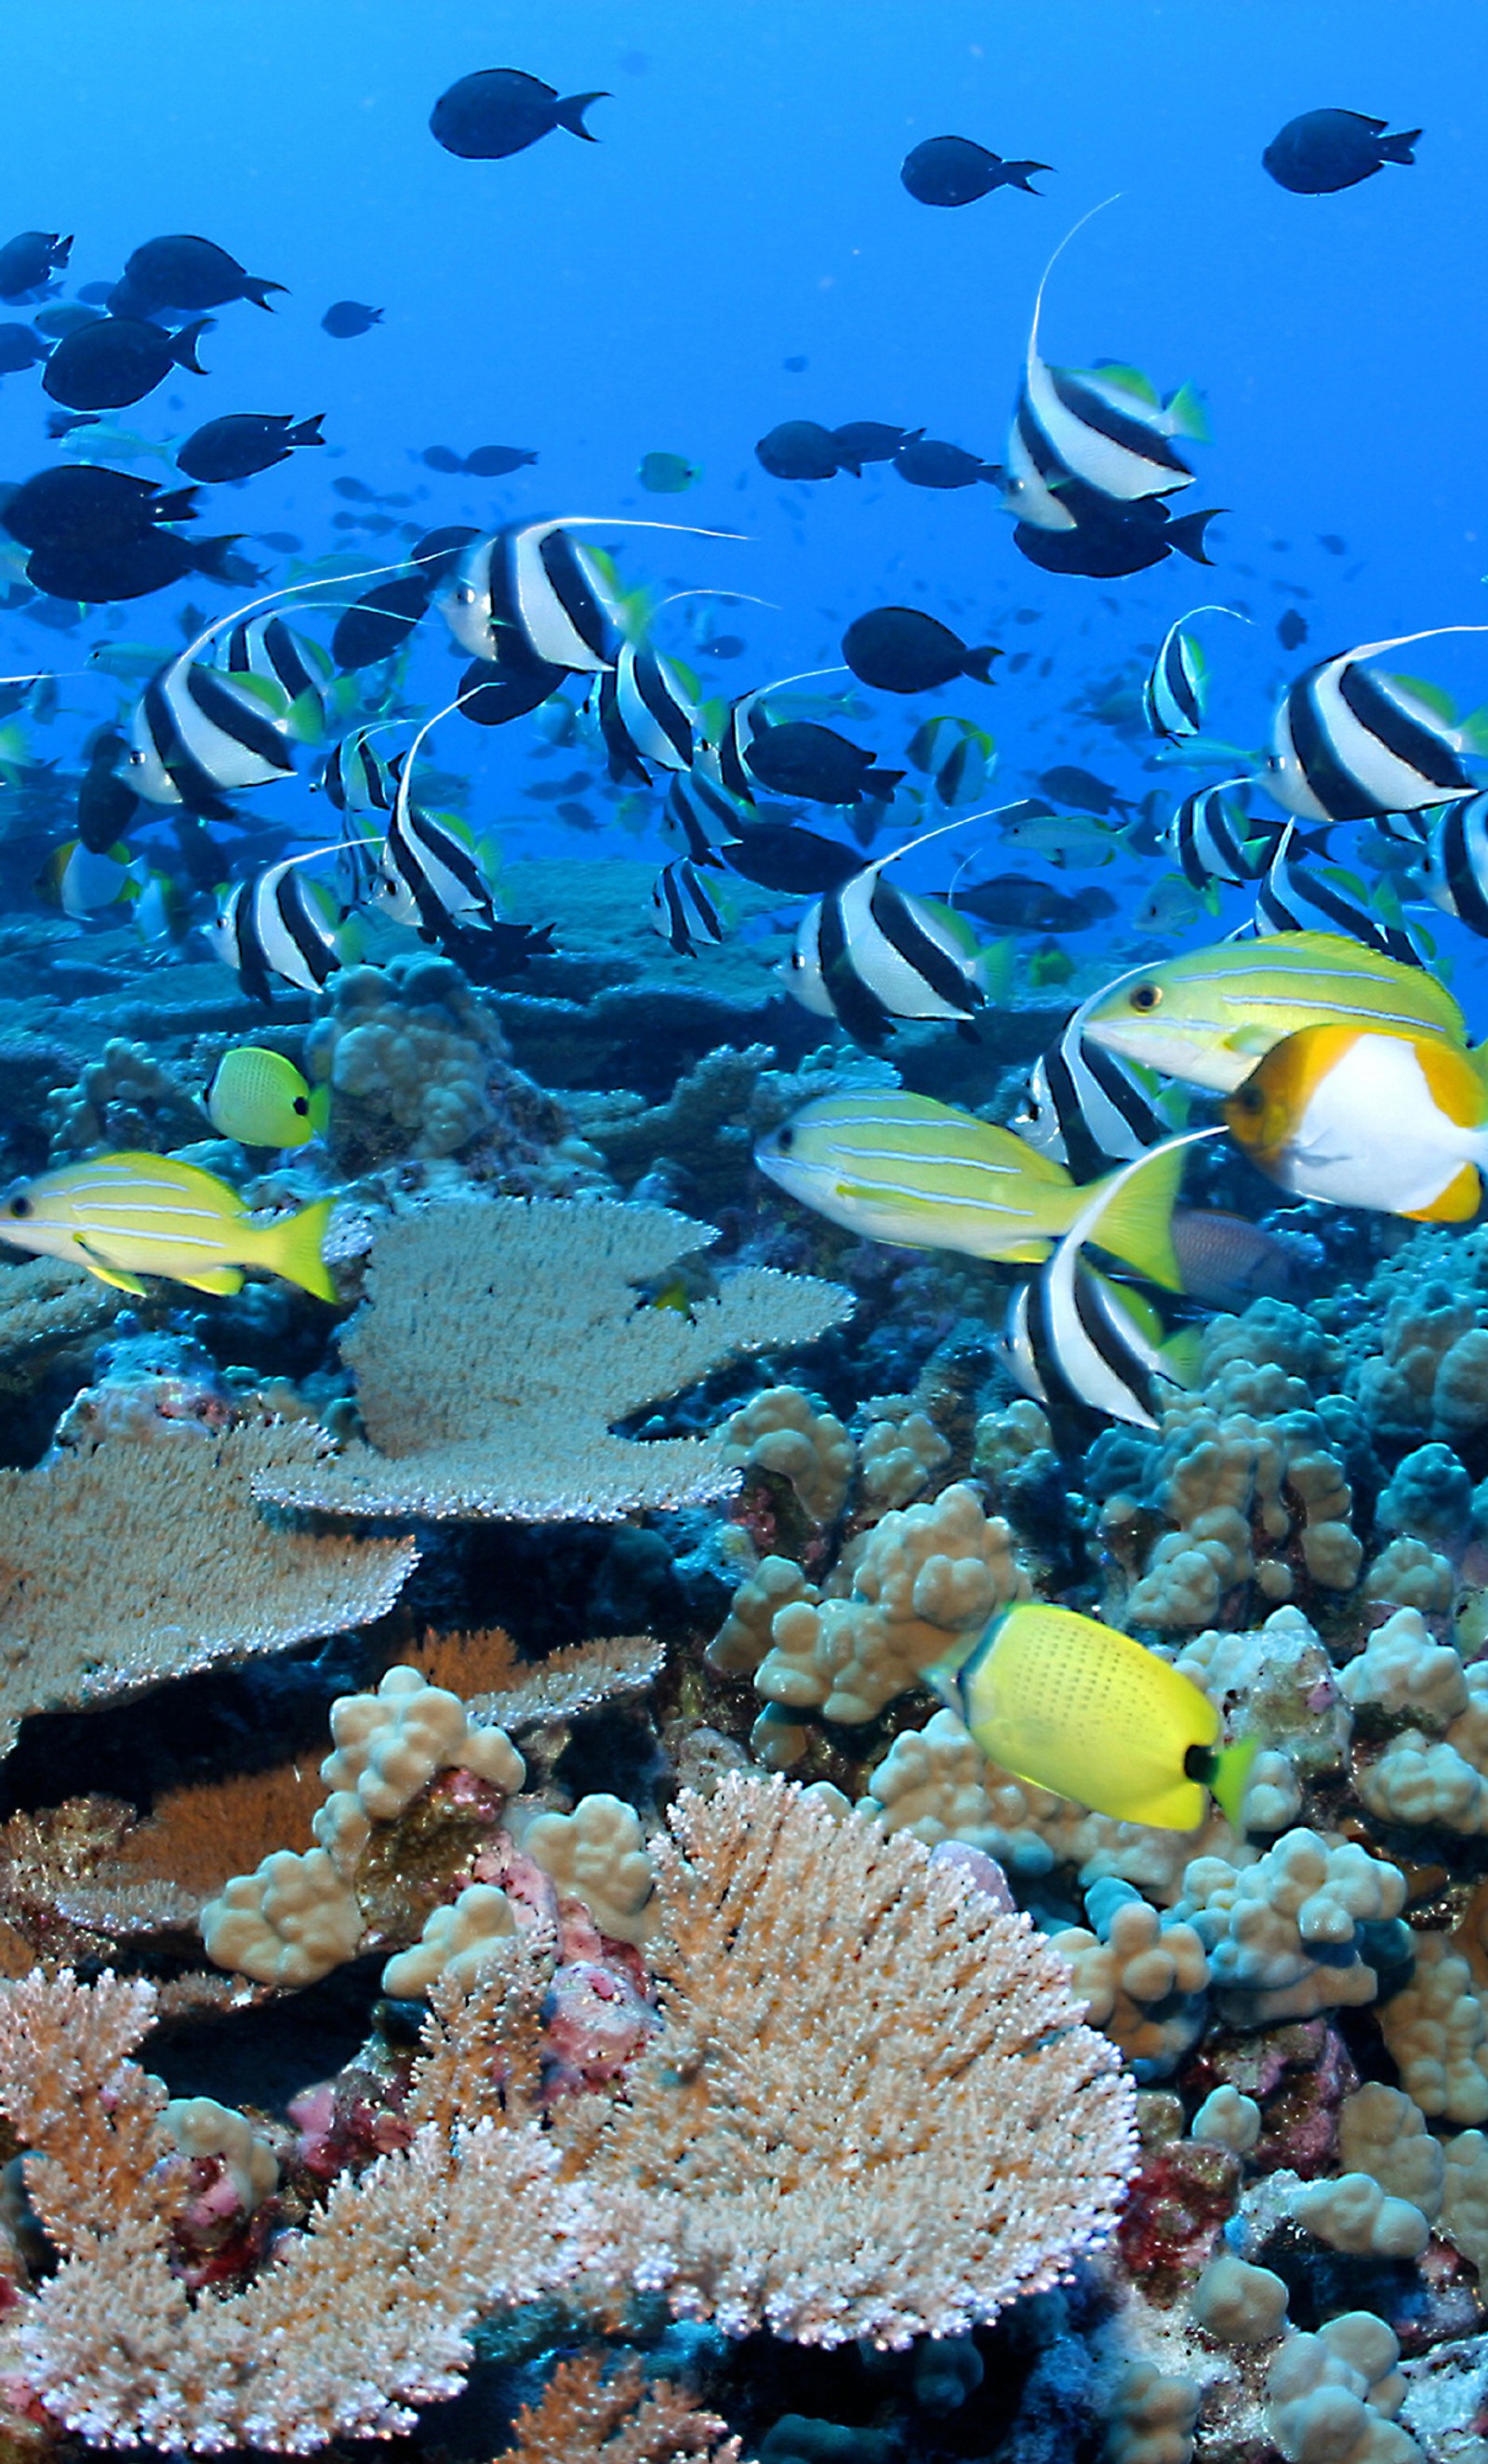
(742, 210)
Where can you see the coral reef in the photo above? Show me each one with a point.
(138, 1557)
(501, 1341)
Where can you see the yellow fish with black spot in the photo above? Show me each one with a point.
(260, 1098)
(1357, 1118)
(126, 1215)
(1081, 1708)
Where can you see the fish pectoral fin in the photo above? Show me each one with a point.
(1254, 1038)
(1457, 1203)
(106, 1274)
(214, 1279)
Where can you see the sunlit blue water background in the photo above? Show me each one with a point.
(744, 208)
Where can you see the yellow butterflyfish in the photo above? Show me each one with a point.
(1083, 1709)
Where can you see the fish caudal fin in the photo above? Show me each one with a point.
(1228, 1776)
(256, 289)
(293, 1248)
(182, 346)
(1187, 534)
(1457, 1203)
(1017, 175)
(1401, 148)
(569, 112)
(1184, 415)
(1135, 1224)
(306, 432)
(317, 1109)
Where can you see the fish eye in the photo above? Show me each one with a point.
(18, 1208)
(1249, 1099)
(1145, 996)
(785, 1140)
(301, 1105)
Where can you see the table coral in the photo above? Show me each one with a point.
(136, 1559)
(502, 1338)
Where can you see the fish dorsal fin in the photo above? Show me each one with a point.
(1039, 296)
(1123, 379)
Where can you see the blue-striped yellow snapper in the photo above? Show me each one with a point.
(262, 1099)
(902, 1168)
(1208, 1016)
(125, 1216)
(1083, 1709)
(1359, 1117)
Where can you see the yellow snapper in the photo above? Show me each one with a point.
(262, 1099)
(902, 1168)
(1081, 1708)
(1357, 1118)
(123, 1216)
(1209, 1014)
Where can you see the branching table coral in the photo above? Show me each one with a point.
(135, 1560)
(502, 1341)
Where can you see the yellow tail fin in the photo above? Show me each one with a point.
(1135, 1221)
(293, 1249)
(1230, 1776)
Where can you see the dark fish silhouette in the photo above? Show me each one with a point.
(801, 758)
(928, 462)
(184, 271)
(799, 449)
(955, 171)
(496, 112)
(345, 318)
(246, 441)
(27, 261)
(899, 650)
(1323, 151)
(1012, 902)
(783, 856)
(119, 360)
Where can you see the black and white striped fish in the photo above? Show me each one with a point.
(870, 956)
(429, 878)
(532, 581)
(683, 912)
(1090, 1110)
(1295, 897)
(1349, 746)
(287, 665)
(1214, 838)
(1454, 874)
(1103, 427)
(647, 715)
(277, 927)
(196, 737)
(1173, 694)
(1075, 1339)
(355, 778)
(700, 818)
